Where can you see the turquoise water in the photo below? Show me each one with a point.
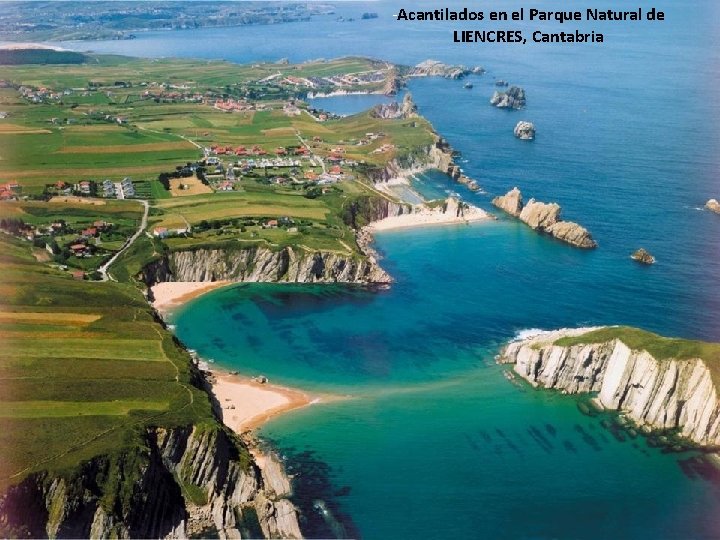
(434, 442)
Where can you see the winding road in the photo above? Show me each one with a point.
(103, 270)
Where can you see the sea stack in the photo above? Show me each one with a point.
(643, 256)
(525, 131)
(713, 205)
(511, 202)
(545, 218)
(513, 98)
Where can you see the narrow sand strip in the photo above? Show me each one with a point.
(428, 216)
(245, 404)
(174, 293)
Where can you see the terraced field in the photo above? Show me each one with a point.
(84, 368)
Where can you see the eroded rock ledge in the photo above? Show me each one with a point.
(545, 218)
(186, 482)
(666, 393)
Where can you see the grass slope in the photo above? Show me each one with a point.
(85, 368)
(662, 348)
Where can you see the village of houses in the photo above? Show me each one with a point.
(222, 168)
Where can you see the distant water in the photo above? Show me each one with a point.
(436, 442)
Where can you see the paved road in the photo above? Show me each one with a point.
(143, 225)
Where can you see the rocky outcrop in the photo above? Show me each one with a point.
(512, 98)
(713, 205)
(395, 110)
(659, 394)
(525, 131)
(181, 482)
(643, 256)
(545, 218)
(511, 202)
(433, 68)
(262, 264)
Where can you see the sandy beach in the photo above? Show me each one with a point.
(174, 293)
(246, 403)
(427, 217)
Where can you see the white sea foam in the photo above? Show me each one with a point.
(527, 333)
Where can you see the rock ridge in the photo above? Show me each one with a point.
(545, 218)
(185, 482)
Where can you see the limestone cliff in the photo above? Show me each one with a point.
(439, 155)
(194, 481)
(545, 218)
(660, 394)
(262, 264)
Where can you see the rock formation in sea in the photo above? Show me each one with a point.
(512, 98)
(659, 393)
(191, 481)
(525, 131)
(395, 110)
(545, 218)
(713, 205)
(643, 256)
(433, 68)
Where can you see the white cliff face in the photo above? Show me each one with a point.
(191, 482)
(660, 394)
(260, 264)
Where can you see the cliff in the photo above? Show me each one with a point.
(439, 155)
(195, 481)
(545, 218)
(655, 390)
(262, 264)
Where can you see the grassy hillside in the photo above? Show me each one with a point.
(662, 348)
(84, 368)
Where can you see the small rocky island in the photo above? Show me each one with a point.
(545, 218)
(643, 256)
(512, 98)
(433, 68)
(713, 205)
(525, 131)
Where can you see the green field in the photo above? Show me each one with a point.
(86, 366)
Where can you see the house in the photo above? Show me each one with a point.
(225, 186)
(90, 232)
(335, 169)
(84, 187)
(78, 249)
(100, 225)
(160, 232)
(271, 224)
(78, 274)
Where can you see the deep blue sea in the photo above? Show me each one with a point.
(435, 442)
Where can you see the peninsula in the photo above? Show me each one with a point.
(661, 384)
(126, 181)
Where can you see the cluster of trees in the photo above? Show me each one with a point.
(14, 226)
(183, 171)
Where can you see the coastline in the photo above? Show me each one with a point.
(170, 294)
(427, 217)
(244, 403)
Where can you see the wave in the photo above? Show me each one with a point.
(527, 333)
